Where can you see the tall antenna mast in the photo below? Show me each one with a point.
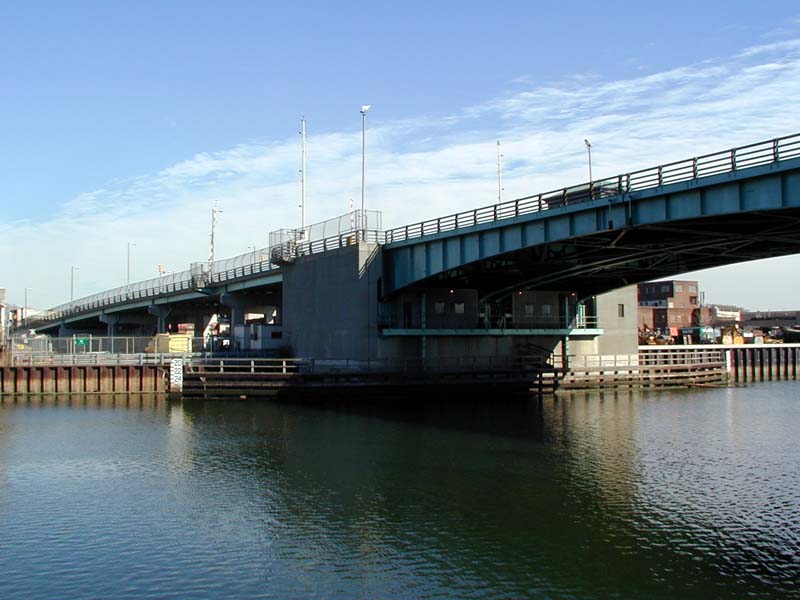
(214, 211)
(352, 216)
(303, 176)
(499, 174)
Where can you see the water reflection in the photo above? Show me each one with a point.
(690, 494)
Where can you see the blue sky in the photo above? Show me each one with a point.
(124, 121)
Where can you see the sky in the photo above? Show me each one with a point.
(125, 122)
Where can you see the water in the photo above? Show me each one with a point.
(680, 494)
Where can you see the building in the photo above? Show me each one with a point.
(670, 305)
(333, 310)
(726, 315)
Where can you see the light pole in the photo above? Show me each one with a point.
(25, 309)
(589, 150)
(302, 177)
(364, 110)
(499, 174)
(214, 212)
(72, 283)
(129, 260)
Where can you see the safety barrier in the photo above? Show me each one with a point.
(727, 161)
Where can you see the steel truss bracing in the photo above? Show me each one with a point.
(608, 260)
(600, 244)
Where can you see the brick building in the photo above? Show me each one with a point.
(670, 305)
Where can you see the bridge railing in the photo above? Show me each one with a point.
(250, 263)
(435, 364)
(201, 275)
(727, 161)
(391, 317)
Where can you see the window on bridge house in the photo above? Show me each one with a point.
(438, 307)
(458, 307)
(621, 310)
(529, 310)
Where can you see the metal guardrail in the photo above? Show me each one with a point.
(727, 161)
(255, 262)
(440, 364)
(197, 277)
(274, 366)
(99, 358)
(189, 280)
(102, 350)
(391, 319)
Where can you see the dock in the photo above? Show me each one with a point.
(197, 376)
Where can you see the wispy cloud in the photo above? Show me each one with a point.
(416, 168)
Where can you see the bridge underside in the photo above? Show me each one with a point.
(607, 260)
(147, 317)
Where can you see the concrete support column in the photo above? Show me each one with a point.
(200, 324)
(236, 304)
(161, 311)
(111, 322)
(64, 331)
(424, 325)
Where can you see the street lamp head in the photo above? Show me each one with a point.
(365, 108)
(588, 143)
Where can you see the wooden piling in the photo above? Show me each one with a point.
(32, 380)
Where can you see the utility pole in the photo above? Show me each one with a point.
(589, 150)
(352, 216)
(129, 261)
(303, 177)
(214, 212)
(499, 174)
(364, 110)
(25, 310)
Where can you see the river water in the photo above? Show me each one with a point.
(669, 494)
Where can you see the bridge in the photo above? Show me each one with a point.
(529, 267)
(729, 207)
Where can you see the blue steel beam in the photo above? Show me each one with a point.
(566, 234)
(764, 189)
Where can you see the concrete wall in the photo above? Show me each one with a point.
(330, 307)
(494, 346)
(620, 333)
(542, 309)
(330, 311)
(450, 302)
